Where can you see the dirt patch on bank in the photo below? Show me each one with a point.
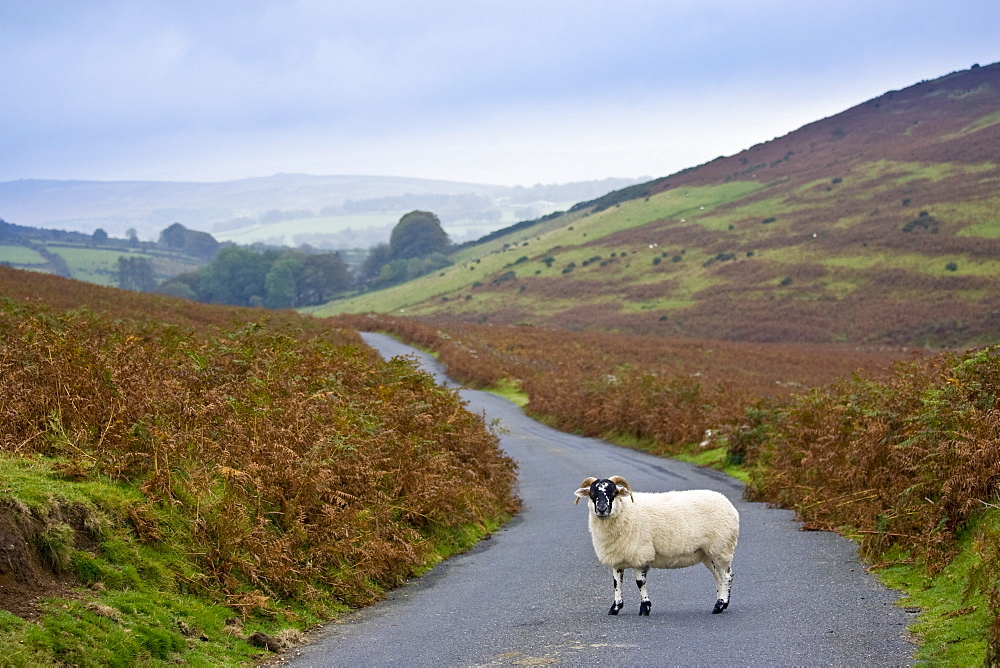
(25, 576)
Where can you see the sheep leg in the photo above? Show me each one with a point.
(723, 575)
(640, 581)
(619, 575)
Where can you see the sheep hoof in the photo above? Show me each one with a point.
(615, 607)
(720, 605)
(644, 608)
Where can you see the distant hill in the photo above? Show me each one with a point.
(880, 224)
(287, 209)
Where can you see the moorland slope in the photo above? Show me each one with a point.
(878, 224)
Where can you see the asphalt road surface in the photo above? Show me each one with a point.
(535, 593)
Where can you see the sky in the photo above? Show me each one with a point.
(505, 92)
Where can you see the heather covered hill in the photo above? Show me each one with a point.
(952, 119)
(879, 224)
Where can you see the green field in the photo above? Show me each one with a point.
(94, 265)
(17, 255)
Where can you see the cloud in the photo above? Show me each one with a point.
(545, 90)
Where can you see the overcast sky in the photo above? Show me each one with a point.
(505, 92)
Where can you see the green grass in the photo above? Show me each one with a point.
(713, 458)
(142, 603)
(979, 124)
(137, 604)
(952, 622)
(693, 202)
(451, 541)
(94, 265)
(906, 172)
(510, 389)
(98, 265)
(19, 255)
(916, 263)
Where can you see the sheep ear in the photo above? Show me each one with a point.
(584, 490)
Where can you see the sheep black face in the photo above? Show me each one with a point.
(602, 493)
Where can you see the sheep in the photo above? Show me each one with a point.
(660, 530)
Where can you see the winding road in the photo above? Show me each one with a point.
(535, 594)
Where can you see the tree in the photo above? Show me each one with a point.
(418, 234)
(99, 237)
(417, 245)
(377, 257)
(199, 244)
(393, 272)
(184, 285)
(135, 273)
(281, 283)
(173, 236)
(237, 276)
(323, 277)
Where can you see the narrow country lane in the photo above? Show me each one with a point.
(535, 593)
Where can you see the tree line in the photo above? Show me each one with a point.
(291, 278)
(242, 276)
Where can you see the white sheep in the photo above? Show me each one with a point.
(644, 530)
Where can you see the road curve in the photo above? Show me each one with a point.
(535, 593)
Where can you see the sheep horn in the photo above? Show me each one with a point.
(618, 480)
(586, 483)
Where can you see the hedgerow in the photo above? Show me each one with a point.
(909, 462)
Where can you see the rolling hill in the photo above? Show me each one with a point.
(880, 224)
(333, 212)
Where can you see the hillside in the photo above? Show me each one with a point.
(878, 224)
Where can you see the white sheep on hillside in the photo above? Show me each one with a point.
(642, 530)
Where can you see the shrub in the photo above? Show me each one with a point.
(504, 278)
(924, 222)
(906, 461)
(301, 460)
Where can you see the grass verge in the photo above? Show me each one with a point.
(118, 600)
(953, 618)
